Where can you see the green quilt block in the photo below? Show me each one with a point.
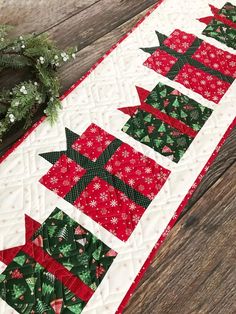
(175, 104)
(29, 287)
(220, 30)
(171, 137)
(158, 135)
(78, 250)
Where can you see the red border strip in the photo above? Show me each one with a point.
(174, 219)
(187, 197)
(73, 283)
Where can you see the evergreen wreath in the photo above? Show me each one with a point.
(41, 58)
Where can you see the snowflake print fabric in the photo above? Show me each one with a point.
(222, 25)
(166, 120)
(105, 178)
(199, 66)
(79, 262)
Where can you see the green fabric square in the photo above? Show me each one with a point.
(29, 288)
(164, 137)
(220, 31)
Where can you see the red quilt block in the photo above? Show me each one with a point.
(105, 178)
(199, 66)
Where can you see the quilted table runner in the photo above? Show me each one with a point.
(85, 204)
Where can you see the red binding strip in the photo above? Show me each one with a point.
(73, 283)
(175, 123)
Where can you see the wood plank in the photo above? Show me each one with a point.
(194, 271)
(39, 16)
(97, 20)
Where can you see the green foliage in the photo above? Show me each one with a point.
(40, 56)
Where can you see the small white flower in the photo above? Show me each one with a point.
(73, 55)
(56, 57)
(16, 104)
(21, 38)
(42, 60)
(23, 46)
(11, 117)
(35, 83)
(2, 39)
(23, 90)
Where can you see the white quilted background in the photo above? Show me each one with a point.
(110, 86)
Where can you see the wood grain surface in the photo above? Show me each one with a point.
(194, 271)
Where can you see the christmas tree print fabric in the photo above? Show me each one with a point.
(57, 270)
(105, 178)
(199, 66)
(222, 25)
(166, 120)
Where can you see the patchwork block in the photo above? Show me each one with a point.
(57, 270)
(222, 24)
(105, 178)
(199, 66)
(166, 120)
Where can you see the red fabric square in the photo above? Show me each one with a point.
(93, 142)
(62, 176)
(137, 170)
(207, 85)
(179, 41)
(216, 59)
(107, 204)
(160, 61)
(110, 208)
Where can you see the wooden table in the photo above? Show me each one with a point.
(194, 271)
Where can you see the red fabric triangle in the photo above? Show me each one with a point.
(206, 20)
(31, 225)
(129, 110)
(214, 10)
(143, 94)
(6, 256)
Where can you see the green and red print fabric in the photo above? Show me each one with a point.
(199, 66)
(166, 120)
(105, 178)
(57, 270)
(222, 25)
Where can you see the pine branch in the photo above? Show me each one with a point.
(42, 59)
